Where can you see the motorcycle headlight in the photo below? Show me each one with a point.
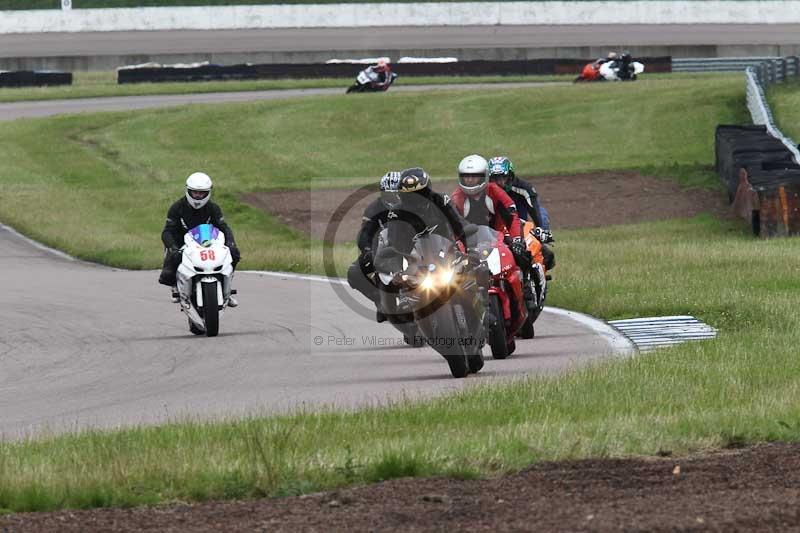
(446, 276)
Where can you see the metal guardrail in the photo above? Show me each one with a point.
(717, 64)
(758, 78)
(760, 72)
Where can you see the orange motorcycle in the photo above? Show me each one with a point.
(538, 279)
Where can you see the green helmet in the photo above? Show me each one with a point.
(501, 167)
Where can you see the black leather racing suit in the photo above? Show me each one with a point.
(182, 217)
(360, 274)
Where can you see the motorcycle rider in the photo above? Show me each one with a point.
(626, 70)
(418, 208)
(361, 273)
(483, 202)
(384, 71)
(191, 210)
(501, 172)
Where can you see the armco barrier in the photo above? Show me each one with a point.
(346, 70)
(28, 78)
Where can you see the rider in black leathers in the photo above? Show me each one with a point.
(193, 209)
(361, 273)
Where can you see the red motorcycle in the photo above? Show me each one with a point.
(503, 282)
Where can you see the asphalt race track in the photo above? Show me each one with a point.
(390, 38)
(85, 345)
(45, 108)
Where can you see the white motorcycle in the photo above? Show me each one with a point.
(204, 278)
(612, 71)
(370, 81)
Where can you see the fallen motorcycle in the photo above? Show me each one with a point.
(204, 278)
(610, 71)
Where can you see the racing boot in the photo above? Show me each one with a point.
(232, 301)
(539, 285)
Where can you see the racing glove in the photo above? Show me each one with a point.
(543, 235)
(518, 247)
(235, 255)
(365, 259)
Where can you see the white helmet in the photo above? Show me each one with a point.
(470, 167)
(198, 189)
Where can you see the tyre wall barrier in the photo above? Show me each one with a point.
(761, 177)
(347, 70)
(29, 78)
(759, 165)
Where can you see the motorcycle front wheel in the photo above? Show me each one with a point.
(210, 309)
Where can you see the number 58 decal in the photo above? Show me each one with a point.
(207, 255)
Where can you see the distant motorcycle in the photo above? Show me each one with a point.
(618, 71)
(610, 71)
(204, 278)
(370, 81)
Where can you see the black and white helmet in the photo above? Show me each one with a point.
(390, 183)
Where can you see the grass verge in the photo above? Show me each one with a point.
(784, 100)
(117, 173)
(737, 389)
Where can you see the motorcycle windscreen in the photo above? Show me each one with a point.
(204, 234)
(485, 236)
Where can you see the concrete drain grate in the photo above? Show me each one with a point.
(654, 332)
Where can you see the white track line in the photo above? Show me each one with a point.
(618, 342)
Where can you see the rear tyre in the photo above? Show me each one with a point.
(210, 309)
(497, 332)
(527, 330)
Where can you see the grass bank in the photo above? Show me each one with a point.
(737, 389)
(784, 100)
(116, 173)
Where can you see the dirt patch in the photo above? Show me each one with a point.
(579, 201)
(751, 489)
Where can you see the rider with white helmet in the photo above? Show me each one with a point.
(192, 209)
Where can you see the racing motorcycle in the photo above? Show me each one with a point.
(434, 288)
(505, 294)
(609, 71)
(369, 81)
(204, 278)
(539, 277)
(616, 71)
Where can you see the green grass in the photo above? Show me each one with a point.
(104, 83)
(784, 100)
(117, 172)
(738, 389)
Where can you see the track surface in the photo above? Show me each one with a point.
(44, 108)
(413, 38)
(84, 345)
